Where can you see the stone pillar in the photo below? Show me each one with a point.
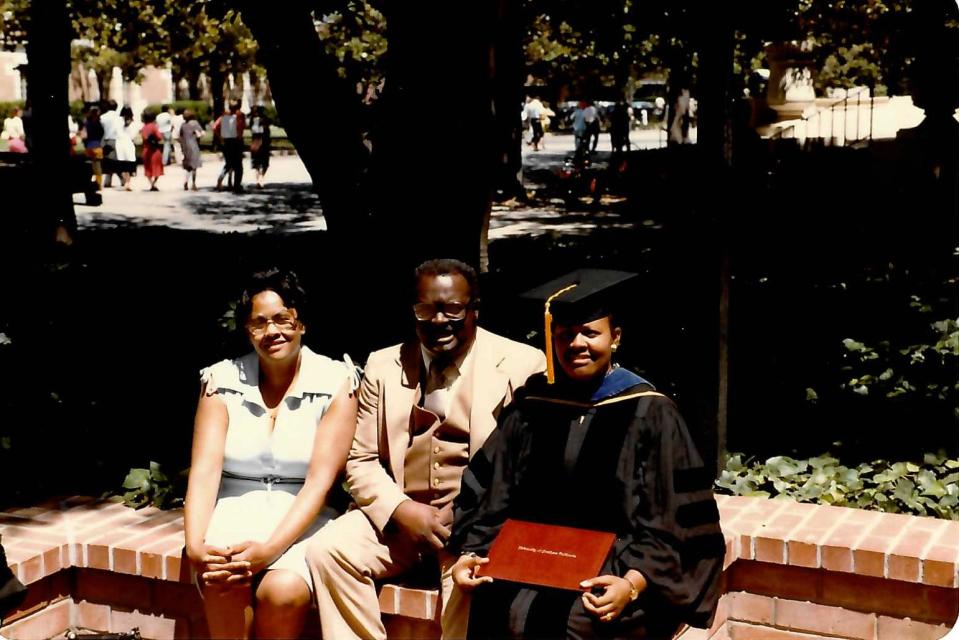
(247, 100)
(115, 87)
(166, 78)
(11, 81)
(93, 82)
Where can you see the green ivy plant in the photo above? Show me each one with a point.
(926, 369)
(151, 487)
(927, 489)
(227, 321)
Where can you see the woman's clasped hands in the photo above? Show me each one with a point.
(224, 567)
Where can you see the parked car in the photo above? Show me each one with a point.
(604, 107)
(642, 112)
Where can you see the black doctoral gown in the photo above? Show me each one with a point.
(619, 460)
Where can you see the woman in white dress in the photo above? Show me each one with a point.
(271, 436)
(126, 162)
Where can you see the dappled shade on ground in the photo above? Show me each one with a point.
(278, 207)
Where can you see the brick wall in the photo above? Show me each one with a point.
(792, 571)
(10, 78)
(811, 571)
(99, 566)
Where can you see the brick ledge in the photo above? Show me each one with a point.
(870, 543)
(82, 533)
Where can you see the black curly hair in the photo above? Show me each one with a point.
(447, 266)
(284, 283)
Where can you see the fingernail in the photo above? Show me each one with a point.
(584, 583)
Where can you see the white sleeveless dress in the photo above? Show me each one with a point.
(263, 471)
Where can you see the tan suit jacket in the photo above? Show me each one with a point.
(391, 386)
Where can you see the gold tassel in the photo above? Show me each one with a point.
(548, 332)
(550, 375)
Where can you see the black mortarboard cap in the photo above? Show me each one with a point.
(581, 296)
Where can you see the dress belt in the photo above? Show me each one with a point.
(269, 481)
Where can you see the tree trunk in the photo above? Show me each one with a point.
(439, 96)
(507, 68)
(508, 72)
(217, 80)
(716, 48)
(196, 82)
(192, 75)
(320, 112)
(48, 191)
(715, 45)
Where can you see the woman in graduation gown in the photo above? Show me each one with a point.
(599, 449)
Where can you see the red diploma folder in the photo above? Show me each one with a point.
(547, 555)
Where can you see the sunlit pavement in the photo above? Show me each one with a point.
(287, 203)
(563, 142)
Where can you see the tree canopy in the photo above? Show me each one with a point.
(193, 36)
(354, 33)
(578, 46)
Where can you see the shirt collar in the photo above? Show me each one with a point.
(456, 365)
(309, 379)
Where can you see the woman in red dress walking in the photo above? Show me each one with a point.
(152, 149)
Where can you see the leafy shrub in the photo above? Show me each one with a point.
(78, 109)
(271, 114)
(927, 489)
(6, 108)
(145, 487)
(202, 109)
(925, 369)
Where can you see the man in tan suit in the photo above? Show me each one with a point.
(426, 406)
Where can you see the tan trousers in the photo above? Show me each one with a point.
(346, 556)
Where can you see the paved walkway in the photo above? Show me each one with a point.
(287, 204)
